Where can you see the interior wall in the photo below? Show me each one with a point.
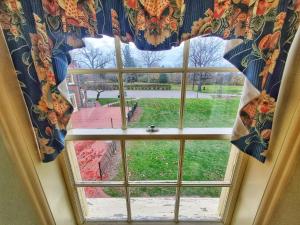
(47, 197)
(14, 199)
(287, 210)
(261, 188)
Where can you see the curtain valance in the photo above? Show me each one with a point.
(40, 33)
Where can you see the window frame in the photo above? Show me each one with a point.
(235, 166)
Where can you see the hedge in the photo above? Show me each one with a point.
(147, 86)
(131, 86)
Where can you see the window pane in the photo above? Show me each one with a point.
(198, 203)
(96, 101)
(97, 160)
(212, 99)
(109, 203)
(205, 160)
(133, 57)
(152, 160)
(207, 52)
(157, 97)
(152, 203)
(98, 53)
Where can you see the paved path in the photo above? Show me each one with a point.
(89, 153)
(153, 94)
(97, 117)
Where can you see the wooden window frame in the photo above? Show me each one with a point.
(234, 170)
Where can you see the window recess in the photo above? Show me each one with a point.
(183, 172)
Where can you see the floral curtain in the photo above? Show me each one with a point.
(40, 33)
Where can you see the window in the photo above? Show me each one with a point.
(150, 139)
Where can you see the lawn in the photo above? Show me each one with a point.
(105, 101)
(199, 112)
(212, 88)
(158, 160)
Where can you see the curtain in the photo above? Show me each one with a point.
(39, 34)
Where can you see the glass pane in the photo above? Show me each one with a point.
(152, 160)
(152, 203)
(198, 203)
(157, 99)
(212, 99)
(205, 160)
(108, 204)
(98, 53)
(207, 52)
(97, 160)
(96, 101)
(133, 57)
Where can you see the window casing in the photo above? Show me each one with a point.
(181, 134)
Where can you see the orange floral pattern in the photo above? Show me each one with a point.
(267, 28)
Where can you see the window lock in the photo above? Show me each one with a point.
(152, 129)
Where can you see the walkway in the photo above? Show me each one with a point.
(97, 117)
(90, 153)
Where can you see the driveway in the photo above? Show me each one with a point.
(153, 94)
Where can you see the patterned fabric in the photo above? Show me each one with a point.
(40, 33)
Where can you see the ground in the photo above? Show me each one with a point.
(204, 160)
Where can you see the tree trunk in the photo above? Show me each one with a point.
(194, 79)
(200, 86)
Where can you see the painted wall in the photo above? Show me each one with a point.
(16, 207)
(43, 194)
(287, 211)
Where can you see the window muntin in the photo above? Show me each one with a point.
(128, 134)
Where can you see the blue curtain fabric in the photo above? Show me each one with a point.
(40, 33)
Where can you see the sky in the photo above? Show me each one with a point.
(172, 57)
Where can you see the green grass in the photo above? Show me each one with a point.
(105, 101)
(158, 160)
(222, 89)
(210, 112)
(212, 88)
(198, 113)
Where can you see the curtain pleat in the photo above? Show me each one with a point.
(40, 33)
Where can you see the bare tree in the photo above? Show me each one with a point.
(204, 52)
(151, 58)
(92, 58)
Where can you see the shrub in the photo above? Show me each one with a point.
(147, 86)
(163, 78)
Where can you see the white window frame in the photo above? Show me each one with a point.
(233, 175)
(73, 101)
(71, 81)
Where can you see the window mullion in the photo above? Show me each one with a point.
(179, 179)
(183, 82)
(125, 172)
(120, 79)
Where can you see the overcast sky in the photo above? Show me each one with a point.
(172, 57)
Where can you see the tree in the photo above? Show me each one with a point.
(128, 61)
(92, 58)
(163, 78)
(151, 59)
(204, 52)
